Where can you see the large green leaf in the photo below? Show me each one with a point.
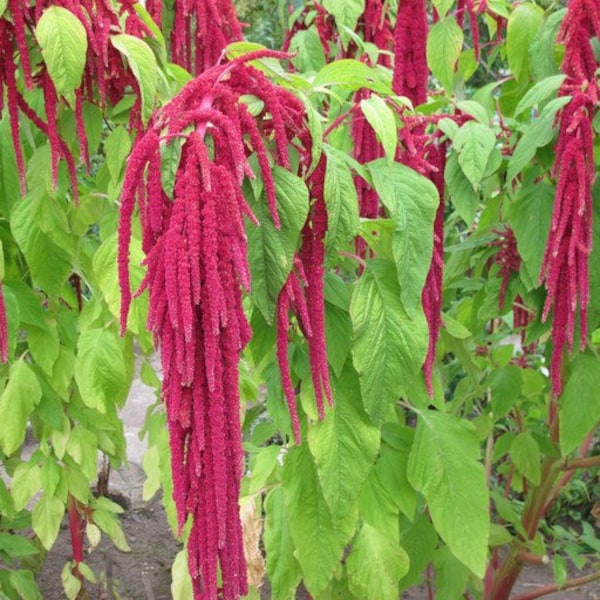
(63, 42)
(346, 12)
(539, 93)
(529, 216)
(318, 545)
(20, 396)
(105, 269)
(375, 565)
(412, 201)
(271, 250)
(342, 203)
(389, 346)
(46, 518)
(345, 447)
(525, 453)
(523, 24)
(538, 134)
(444, 45)
(142, 63)
(474, 143)
(579, 409)
(41, 231)
(464, 197)
(282, 567)
(444, 466)
(381, 118)
(100, 372)
(354, 75)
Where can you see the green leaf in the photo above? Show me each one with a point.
(419, 540)
(25, 484)
(537, 135)
(282, 567)
(443, 6)
(464, 197)
(381, 118)
(505, 385)
(375, 565)
(345, 446)
(100, 371)
(474, 143)
(105, 269)
(412, 201)
(71, 583)
(270, 250)
(345, 12)
(451, 576)
(83, 448)
(444, 45)
(116, 149)
(354, 75)
(44, 344)
(392, 467)
(24, 583)
(543, 55)
(444, 465)
(525, 453)
(523, 24)
(529, 216)
(539, 93)
(63, 42)
(318, 545)
(579, 408)
(41, 231)
(17, 402)
(17, 546)
(46, 518)
(181, 582)
(342, 203)
(3, 5)
(142, 63)
(104, 517)
(389, 346)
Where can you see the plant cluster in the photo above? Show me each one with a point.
(370, 278)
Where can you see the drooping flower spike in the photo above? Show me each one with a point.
(565, 268)
(196, 259)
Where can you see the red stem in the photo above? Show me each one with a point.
(76, 529)
(554, 587)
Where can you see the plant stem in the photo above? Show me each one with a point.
(535, 508)
(587, 462)
(76, 530)
(554, 587)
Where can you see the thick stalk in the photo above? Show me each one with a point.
(535, 507)
(76, 530)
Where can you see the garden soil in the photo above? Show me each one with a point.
(145, 572)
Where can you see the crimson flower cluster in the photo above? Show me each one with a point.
(196, 258)
(565, 268)
(201, 30)
(104, 69)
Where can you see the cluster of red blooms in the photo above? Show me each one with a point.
(303, 293)
(196, 259)
(376, 29)
(201, 30)
(323, 22)
(104, 68)
(420, 151)
(565, 269)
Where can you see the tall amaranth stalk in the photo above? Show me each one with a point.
(201, 30)
(196, 258)
(420, 151)
(565, 268)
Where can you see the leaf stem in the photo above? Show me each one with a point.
(555, 587)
